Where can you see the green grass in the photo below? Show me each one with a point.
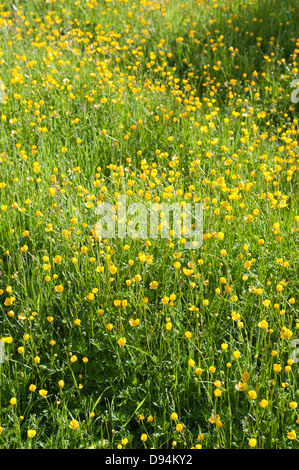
(163, 102)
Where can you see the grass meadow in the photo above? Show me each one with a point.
(132, 343)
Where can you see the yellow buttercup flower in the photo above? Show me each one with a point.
(74, 424)
(263, 403)
(285, 333)
(59, 288)
(292, 435)
(252, 442)
(121, 341)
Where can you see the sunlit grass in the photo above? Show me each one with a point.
(139, 343)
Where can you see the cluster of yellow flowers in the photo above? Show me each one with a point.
(106, 102)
